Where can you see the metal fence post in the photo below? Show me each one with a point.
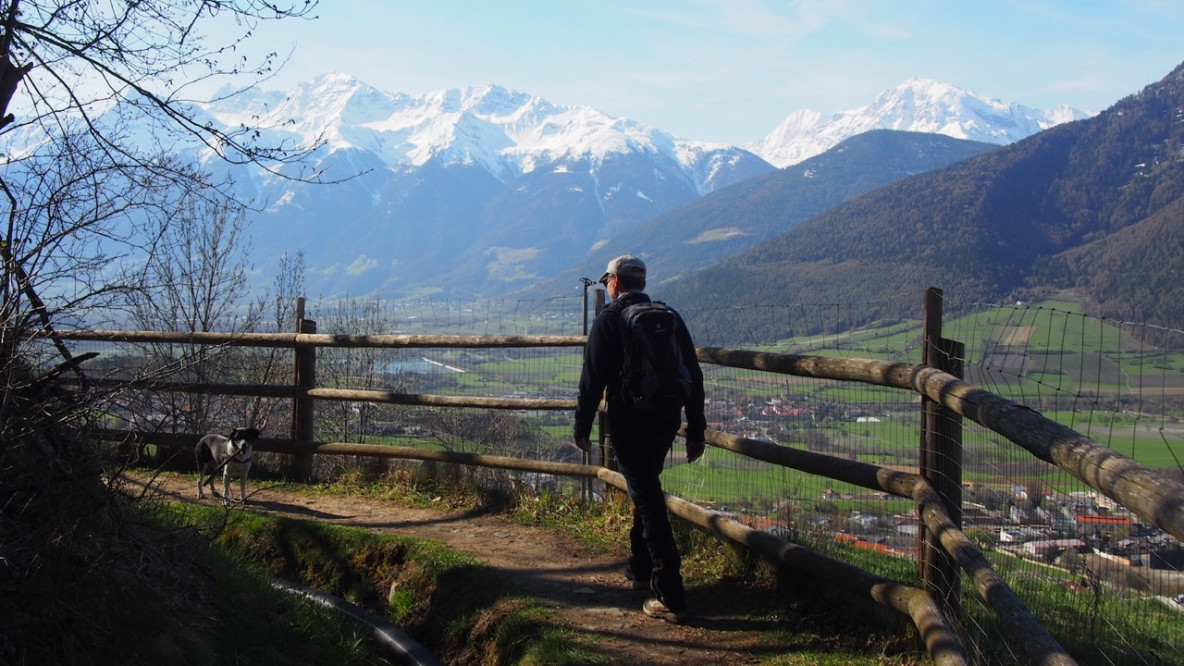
(941, 457)
(304, 408)
(606, 443)
(586, 458)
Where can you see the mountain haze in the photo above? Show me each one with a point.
(747, 214)
(1091, 206)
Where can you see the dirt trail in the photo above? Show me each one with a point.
(587, 590)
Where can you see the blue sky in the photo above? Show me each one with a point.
(732, 70)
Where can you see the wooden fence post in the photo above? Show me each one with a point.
(304, 408)
(941, 457)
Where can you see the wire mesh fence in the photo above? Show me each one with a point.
(1102, 579)
(1104, 582)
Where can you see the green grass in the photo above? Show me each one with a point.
(258, 624)
(715, 481)
(1110, 627)
(1066, 350)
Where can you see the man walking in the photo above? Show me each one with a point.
(641, 436)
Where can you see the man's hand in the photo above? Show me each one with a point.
(582, 443)
(695, 449)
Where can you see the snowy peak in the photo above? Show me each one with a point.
(917, 105)
(504, 131)
(481, 188)
(920, 105)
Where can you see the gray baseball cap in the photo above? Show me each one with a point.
(626, 265)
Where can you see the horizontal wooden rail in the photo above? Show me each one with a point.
(455, 457)
(1153, 497)
(325, 339)
(1024, 628)
(358, 395)
(940, 640)
(186, 441)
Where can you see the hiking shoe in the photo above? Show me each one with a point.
(638, 583)
(656, 609)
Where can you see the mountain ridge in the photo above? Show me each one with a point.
(744, 215)
(465, 191)
(496, 127)
(917, 105)
(1048, 213)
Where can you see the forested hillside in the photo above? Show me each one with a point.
(1091, 206)
(741, 216)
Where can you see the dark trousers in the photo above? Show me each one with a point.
(641, 444)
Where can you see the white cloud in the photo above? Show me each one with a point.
(361, 265)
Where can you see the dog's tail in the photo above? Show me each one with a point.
(203, 454)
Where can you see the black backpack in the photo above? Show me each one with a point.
(654, 376)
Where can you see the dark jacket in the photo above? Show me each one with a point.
(604, 357)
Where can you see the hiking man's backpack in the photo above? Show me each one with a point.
(654, 376)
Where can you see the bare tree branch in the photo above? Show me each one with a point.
(144, 54)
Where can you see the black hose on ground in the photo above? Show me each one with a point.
(405, 649)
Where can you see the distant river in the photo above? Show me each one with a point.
(422, 366)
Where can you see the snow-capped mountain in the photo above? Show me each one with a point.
(487, 189)
(917, 105)
(505, 132)
(461, 190)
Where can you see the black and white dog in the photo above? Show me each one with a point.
(231, 455)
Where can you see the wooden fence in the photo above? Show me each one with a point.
(1156, 500)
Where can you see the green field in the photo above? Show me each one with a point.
(1091, 375)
